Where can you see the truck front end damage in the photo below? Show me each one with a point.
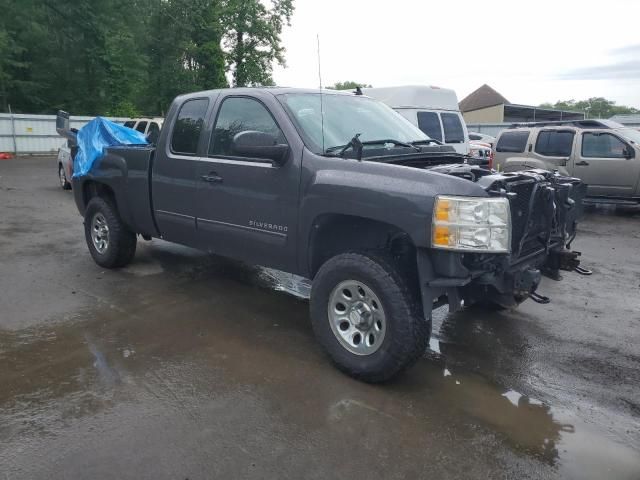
(540, 210)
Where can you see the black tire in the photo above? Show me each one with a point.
(62, 177)
(407, 331)
(121, 242)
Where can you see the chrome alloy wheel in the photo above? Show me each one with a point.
(356, 317)
(100, 233)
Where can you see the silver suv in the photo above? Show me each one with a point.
(602, 153)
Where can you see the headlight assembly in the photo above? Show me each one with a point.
(475, 224)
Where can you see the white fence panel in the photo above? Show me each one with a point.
(35, 134)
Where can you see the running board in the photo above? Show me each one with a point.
(610, 201)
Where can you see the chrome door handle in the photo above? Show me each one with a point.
(212, 177)
(582, 164)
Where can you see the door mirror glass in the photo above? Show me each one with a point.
(252, 143)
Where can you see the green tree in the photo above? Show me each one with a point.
(130, 57)
(184, 51)
(252, 38)
(348, 85)
(594, 107)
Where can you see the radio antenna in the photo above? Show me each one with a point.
(321, 102)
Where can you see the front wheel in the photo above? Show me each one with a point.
(366, 316)
(110, 242)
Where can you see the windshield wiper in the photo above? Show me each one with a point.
(357, 145)
(354, 143)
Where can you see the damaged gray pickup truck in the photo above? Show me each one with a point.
(338, 188)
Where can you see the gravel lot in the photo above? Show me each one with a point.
(190, 366)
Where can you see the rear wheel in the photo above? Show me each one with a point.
(62, 177)
(110, 241)
(366, 316)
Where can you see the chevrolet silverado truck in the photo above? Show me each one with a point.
(340, 189)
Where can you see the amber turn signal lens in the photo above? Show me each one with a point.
(443, 208)
(441, 235)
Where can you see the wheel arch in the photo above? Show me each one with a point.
(333, 233)
(94, 188)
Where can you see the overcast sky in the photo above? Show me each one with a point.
(531, 52)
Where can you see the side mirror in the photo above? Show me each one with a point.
(628, 153)
(251, 143)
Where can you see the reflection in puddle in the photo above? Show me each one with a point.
(179, 354)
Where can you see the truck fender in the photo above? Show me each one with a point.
(113, 185)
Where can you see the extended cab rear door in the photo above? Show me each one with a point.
(174, 185)
(601, 160)
(247, 206)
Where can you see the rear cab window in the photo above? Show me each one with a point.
(188, 127)
(429, 123)
(453, 131)
(153, 133)
(141, 127)
(555, 143)
(513, 142)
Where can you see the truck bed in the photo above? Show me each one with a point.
(130, 167)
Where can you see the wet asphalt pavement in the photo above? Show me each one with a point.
(189, 366)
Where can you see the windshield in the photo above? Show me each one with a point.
(345, 116)
(630, 134)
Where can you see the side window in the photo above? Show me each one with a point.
(130, 123)
(602, 145)
(473, 136)
(453, 131)
(141, 127)
(239, 114)
(512, 142)
(429, 123)
(555, 143)
(186, 131)
(153, 133)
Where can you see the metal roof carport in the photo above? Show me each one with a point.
(527, 113)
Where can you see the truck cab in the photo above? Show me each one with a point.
(603, 154)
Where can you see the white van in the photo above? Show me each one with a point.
(433, 110)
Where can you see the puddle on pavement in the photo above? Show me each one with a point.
(222, 332)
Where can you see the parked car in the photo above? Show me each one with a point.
(480, 153)
(340, 189)
(603, 153)
(65, 166)
(433, 110)
(481, 137)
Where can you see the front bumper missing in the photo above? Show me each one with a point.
(449, 277)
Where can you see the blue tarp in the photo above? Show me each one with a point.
(97, 134)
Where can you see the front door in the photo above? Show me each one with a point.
(601, 163)
(247, 206)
